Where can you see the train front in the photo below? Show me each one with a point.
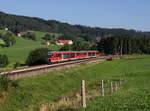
(50, 54)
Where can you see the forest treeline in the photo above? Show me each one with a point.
(124, 45)
(23, 23)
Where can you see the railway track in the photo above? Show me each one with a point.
(37, 70)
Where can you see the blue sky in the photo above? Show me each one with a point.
(130, 14)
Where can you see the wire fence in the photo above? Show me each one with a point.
(81, 98)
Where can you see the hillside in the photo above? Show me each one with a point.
(20, 50)
(17, 23)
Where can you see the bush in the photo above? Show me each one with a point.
(50, 38)
(4, 83)
(66, 48)
(1, 35)
(9, 39)
(17, 64)
(79, 45)
(3, 60)
(30, 35)
(14, 84)
(2, 43)
(37, 57)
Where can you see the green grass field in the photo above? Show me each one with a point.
(20, 51)
(133, 96)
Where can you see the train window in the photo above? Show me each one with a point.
(72, 55)
(50, 54)
(89, 54)
(66, 56)
(57, 55)
(78, 54)
(93, 54)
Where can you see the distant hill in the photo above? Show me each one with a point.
(17, 23)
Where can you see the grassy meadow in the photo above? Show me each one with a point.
(133, 96)
(19, 51)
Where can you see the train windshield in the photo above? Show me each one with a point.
(50, 54)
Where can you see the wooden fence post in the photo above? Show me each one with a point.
(83, 95)
(111, 87)
(120, 82)
(116, 87)
(102, 88)
(43, 108)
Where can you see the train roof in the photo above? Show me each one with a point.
(71, 51)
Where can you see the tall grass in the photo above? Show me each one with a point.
(134, 96)
(34, 91)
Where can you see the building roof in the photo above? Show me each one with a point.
(64, 41)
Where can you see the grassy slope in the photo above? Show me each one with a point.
(21, 49)
(36, 90)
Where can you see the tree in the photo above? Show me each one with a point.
(67, 37)
(48, 37)
(9, 39)
(66, 48)
(124, 44)
(86, 37)
(80, 45)
(1, 35)
(37, 57)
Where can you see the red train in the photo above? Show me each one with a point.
(60, 56)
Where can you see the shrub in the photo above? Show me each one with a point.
(4, 83)
(1, 35)
(9, 39)
(14, 83)
(17, 64)
(50, 38)
(79, 45)
(3, 60)
(37, 57)
(66, 48)
(2, 43)
(30, 35)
